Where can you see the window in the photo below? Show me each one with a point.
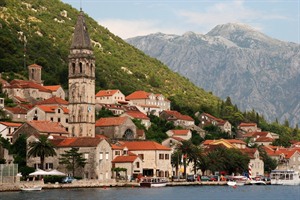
(161, 156)
(167, 156)
(101, 156)
(137, 164)
(86, 156)
(58, 110)
(106, 155)
(141, 156)
(80, 67)
(73, 68)
(49, 166)
(67, 120)
(117, 153)
(51, 119)
(58, 119)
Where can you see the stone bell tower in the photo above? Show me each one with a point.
(81, 82)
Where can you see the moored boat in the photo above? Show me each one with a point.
(284, 177)
(237, 181)
(153, 182)
(34, 188)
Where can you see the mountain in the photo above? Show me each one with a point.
(255, 70)
(39, 31)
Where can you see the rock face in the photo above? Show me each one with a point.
(234, 60)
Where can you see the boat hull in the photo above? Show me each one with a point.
(36, 188)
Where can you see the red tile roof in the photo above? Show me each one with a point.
(27, 84)
(137, 115)
(249, 151)
(53, 88)
(106, 93)
(138, 95)
(125, 159)
(17, 110)
(11, 124)
(100, 136)
(54, 100)
(78, 142)
(51, 109)
(48, 127)
(178, 115)
(143, 145)
(247, 124)
(180, 132)
(256, 134)
(264, 139)
(111, 121)
(35, 65)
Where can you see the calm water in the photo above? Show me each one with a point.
(172, 193)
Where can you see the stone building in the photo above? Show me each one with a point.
(81, 82)
(116, 128)
(110, 97)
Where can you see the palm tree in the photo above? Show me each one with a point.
(41, 148)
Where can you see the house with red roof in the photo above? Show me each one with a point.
(256, 163)
(38, 128)
(56, 90)
(207, 119)
(156, 158)
(53, 101)
(261, 138)
(52, 113)
(177, 118)
(109, 97)
(136, 114)
(116, 128)
(18, 113)
(185, 134)
(248, 127)
(7, 129)
(149, 103)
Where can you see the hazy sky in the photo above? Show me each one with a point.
(279, 19)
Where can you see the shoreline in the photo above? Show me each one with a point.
(97, 184)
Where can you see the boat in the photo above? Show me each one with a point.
(34, 188)
(284, 177)
(153, 182)
(257, 182)
(237, 181)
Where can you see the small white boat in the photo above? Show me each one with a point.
(34, 188)
(237, 181)
(153, 182)
(257, 182)
(285, 177)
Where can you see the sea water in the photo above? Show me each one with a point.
(255, 192)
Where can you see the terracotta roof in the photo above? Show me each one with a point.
(35, 65)
(148, 106)
(106, 93)
(180, 132)
(264, 139)
(53, 88)
(48, 127)
(17, 110)
(51, 109)
(256, 134)
(249, 151)
(21, 100)
(178, 115)
(111, 121)
(218, 120)
(138, 95)
(143, 145)
(54, 100)
(117, 147)
(79, 142)
(27, 84)
(11, 124)
(137, 115)
(100, 136)
(124, 159)
(247, 124)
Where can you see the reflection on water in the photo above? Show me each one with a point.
(166, 193)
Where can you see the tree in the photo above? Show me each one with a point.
(41, 148)
(269, 163)
(72, 159)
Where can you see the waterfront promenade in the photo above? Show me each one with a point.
(94, 184)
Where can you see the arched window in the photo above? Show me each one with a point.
(32, 74)
(128, 134)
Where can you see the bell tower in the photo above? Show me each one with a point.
(81, 82)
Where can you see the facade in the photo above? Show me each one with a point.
(109, 97)
(18, 113)
(35, 73)
(139, 116)
(52, 113)
(156, 158)
(256, 163)
(57, 91)
(7, 129)
(248, 127)
(150, 103)
(81, 83)
(116, 128)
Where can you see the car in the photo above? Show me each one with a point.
(190, 178)
(213, 178)
(68, 179)
(204, 178)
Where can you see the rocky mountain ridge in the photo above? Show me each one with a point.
(255, 70)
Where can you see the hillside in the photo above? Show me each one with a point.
(44, 29)
(256, 71)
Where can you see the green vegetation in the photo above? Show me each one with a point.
(72, 159)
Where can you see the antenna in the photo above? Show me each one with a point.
(80, 5)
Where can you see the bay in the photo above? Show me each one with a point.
(166, 193)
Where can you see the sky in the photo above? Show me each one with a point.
(278, 19)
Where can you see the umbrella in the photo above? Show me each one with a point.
(38, 172)
(56, 172)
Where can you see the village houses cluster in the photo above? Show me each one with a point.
(114, 142)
